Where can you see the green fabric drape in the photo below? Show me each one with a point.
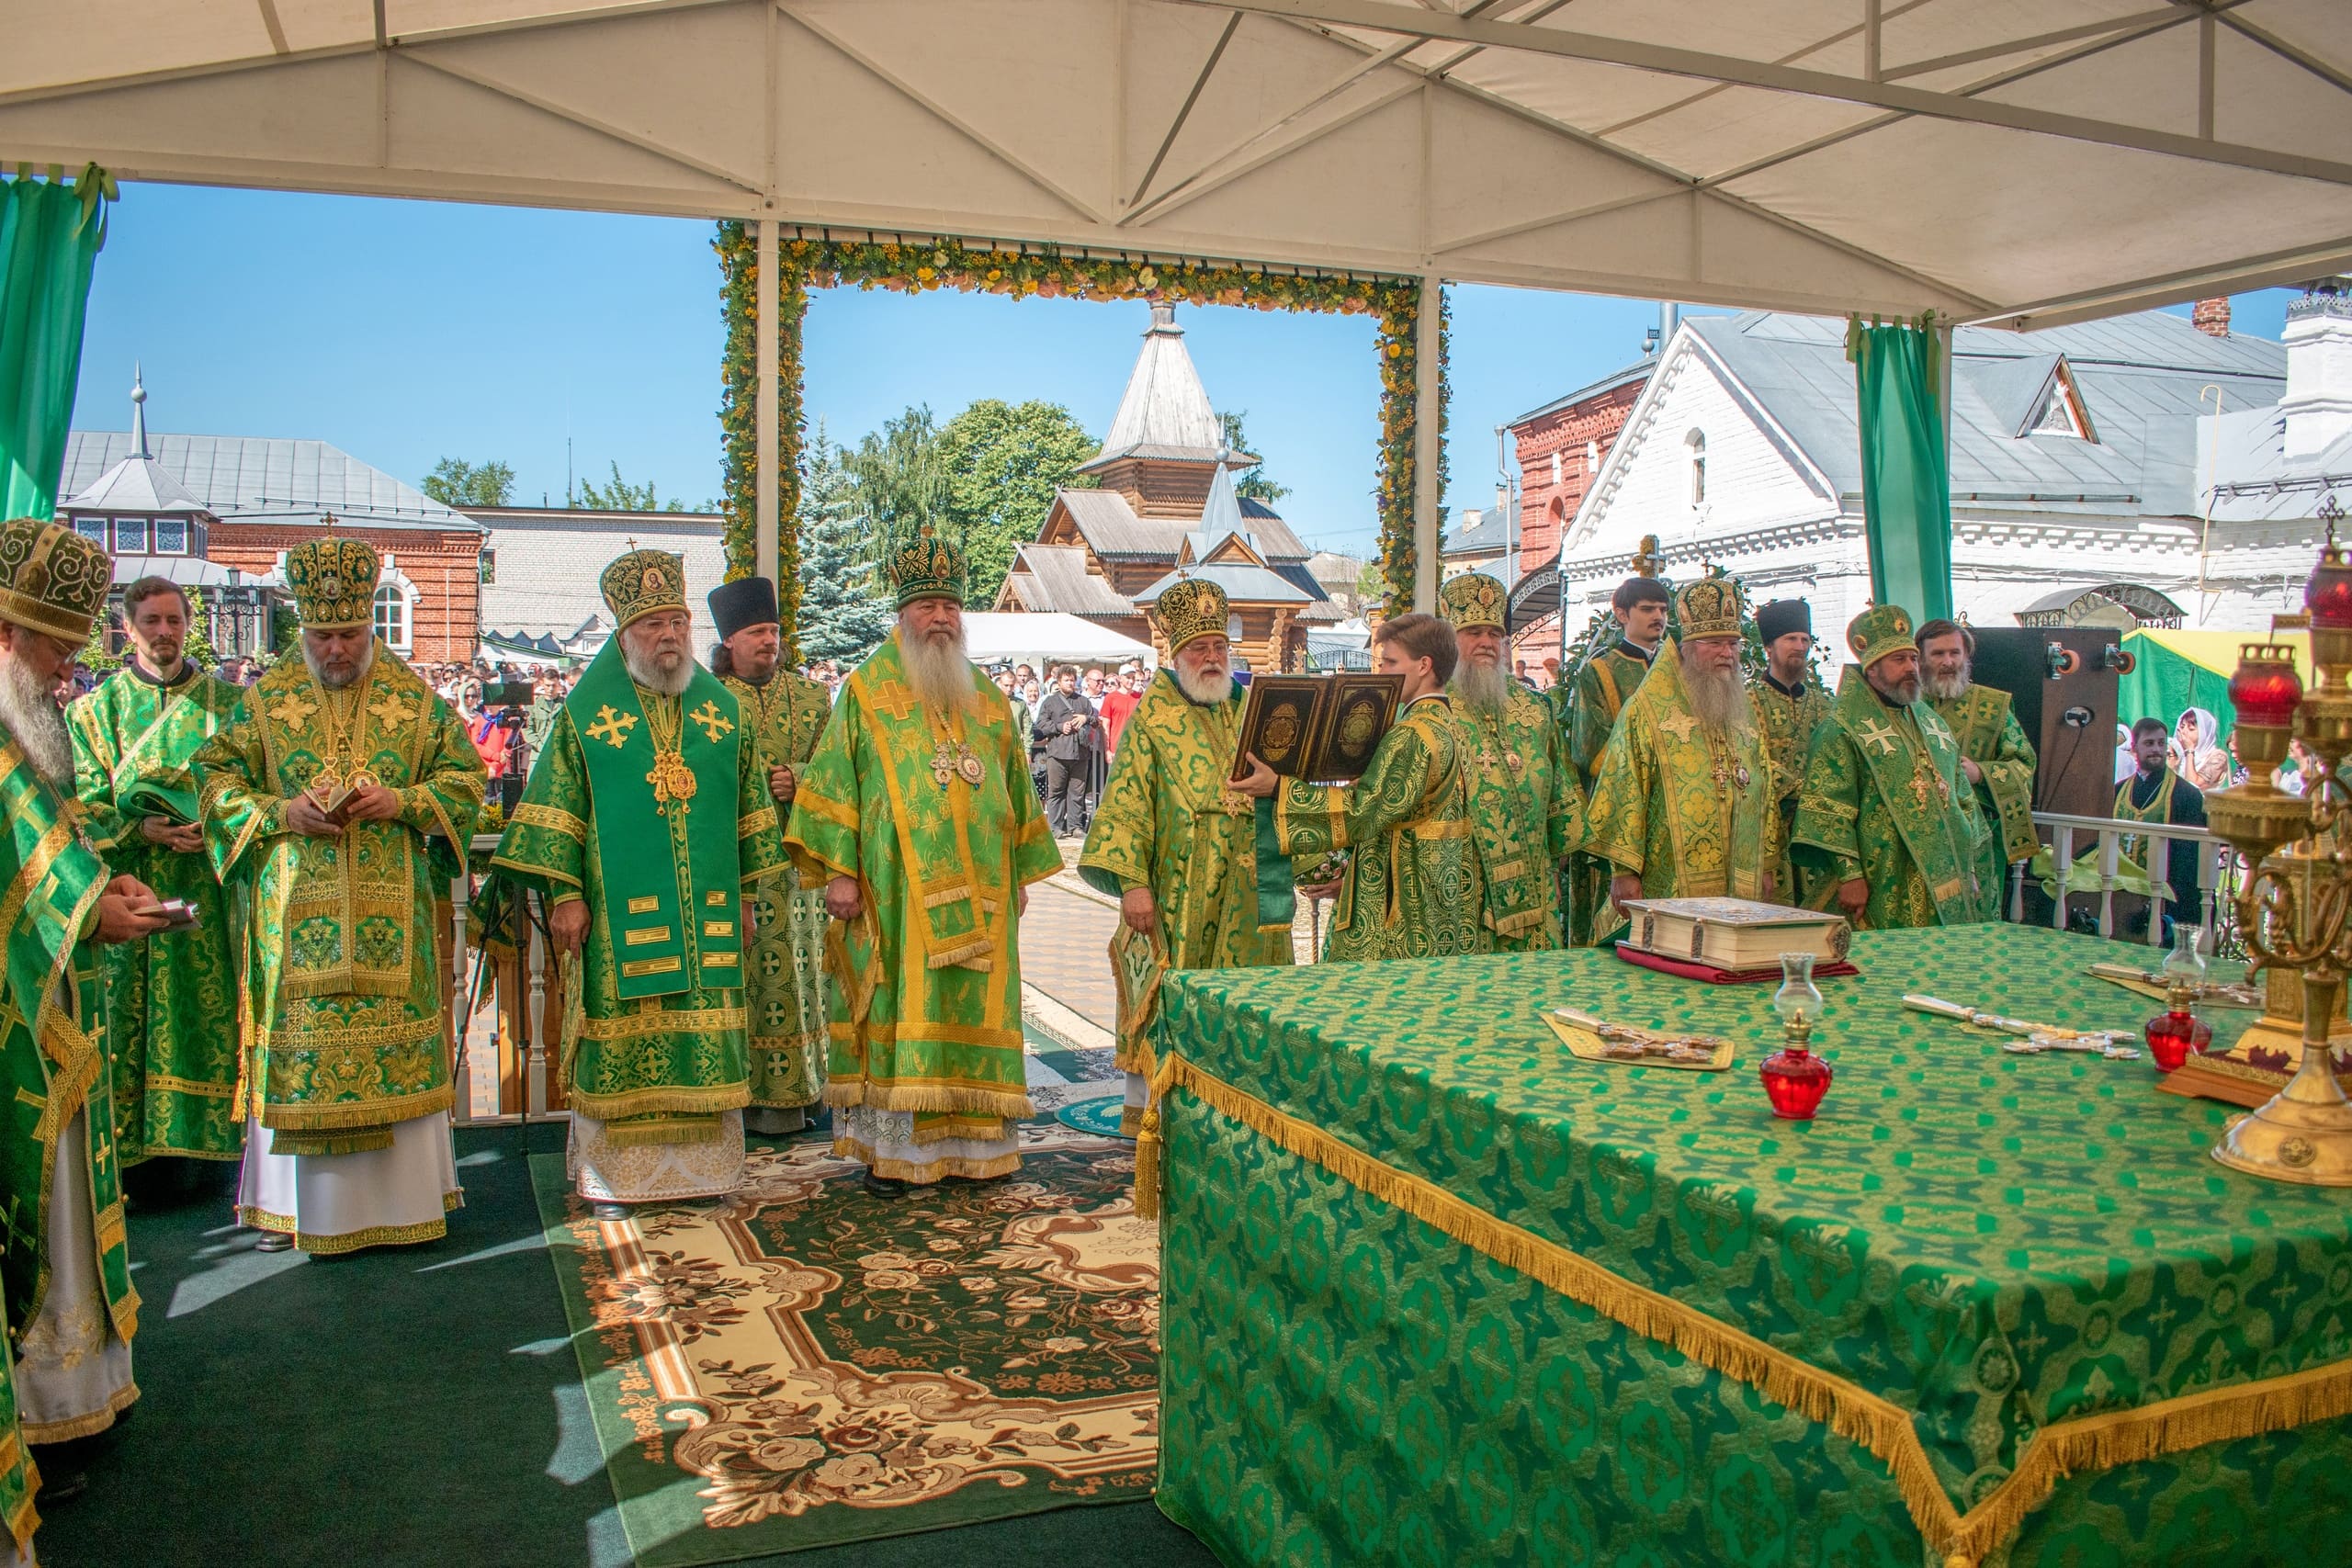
(1906, 485)
(49, 235)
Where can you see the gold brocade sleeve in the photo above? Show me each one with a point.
(1122, 841)
(240, 807)
(1314, 819)
(445, 800)
(1035, 856)
(1616, 820)
(758, 828)
(545, 841)
(1826, 839)
(96, 753)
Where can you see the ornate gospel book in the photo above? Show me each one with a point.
(1322, 728)
(1732, 933)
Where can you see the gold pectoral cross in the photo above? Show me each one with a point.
(672, 781)
(956, 760)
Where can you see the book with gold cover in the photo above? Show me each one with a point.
(1323, 728)
(1732, 933)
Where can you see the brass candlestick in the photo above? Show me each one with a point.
(2294, 916)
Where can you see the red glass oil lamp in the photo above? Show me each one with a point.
(2175, 1033)
(1794, 1079)
(2328, 594)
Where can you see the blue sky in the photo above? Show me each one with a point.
(405, 331)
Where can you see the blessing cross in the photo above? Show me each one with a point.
(1878, 735)
(613, 728)
(895, 700)
(714, 723)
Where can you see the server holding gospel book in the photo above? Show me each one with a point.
(1413, 888)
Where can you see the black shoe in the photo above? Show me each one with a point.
(885, 1186)
(274, 1241)
(610, 1210)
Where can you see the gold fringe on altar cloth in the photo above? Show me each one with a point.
(2065, 1447)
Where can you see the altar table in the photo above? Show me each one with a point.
(1436, 1292)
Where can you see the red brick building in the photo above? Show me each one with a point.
(218, 513)
(1560, 447)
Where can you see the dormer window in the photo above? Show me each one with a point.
(131, 536)
(171, 537)
(2058, 416)
(92, 529)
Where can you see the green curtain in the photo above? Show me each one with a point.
(2162, 683)
(1906, 486)
(49, 234)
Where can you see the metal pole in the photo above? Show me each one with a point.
(1428, 409)
(764, 517)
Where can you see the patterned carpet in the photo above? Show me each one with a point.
(805, 1365)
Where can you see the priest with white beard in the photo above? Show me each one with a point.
(917, 817)
(648, 826)
(70, 1308)
(1526, 807)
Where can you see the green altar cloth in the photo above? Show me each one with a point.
(1436, 1292)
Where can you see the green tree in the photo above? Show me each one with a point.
(620, 496)
(1253, 484)
(1002, 464)
(897, 477)
(456, 482)
(842, 611)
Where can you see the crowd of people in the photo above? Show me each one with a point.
(781, 896)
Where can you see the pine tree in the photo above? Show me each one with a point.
(842, 611)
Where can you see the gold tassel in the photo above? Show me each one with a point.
(1147, 1197)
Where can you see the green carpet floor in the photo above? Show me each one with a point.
(412, 1405)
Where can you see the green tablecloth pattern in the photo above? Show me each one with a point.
(1984, 1246)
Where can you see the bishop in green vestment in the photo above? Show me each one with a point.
(65, 1280)
(1526, 805)
(1789, 705)
(341, 795)
(917, 817)
(171, 998)
(1995, 755)
(649, 828)
(1882, 832)
(783, 713)
(1599, 691)
(1682, 808)
(1171, 839)
(1414, 886)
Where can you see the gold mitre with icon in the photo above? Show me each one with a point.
(1878, 631)
(1189, 609)
(642, 582)
(1709, 608)
(333, 581)
(924, 566)
(51, 580)
(1474, 600)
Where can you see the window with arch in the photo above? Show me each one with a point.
(1697, 441)
(391, 616)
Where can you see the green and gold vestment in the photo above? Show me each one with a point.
(1884, 801)
(53, 1053)
(1526, 809)
(344, 968)
(171, 996)
(1603, 684)
(934, 816)
(19, 1479)
(1984, 723)
(1168, 822)
(661, 1050)
(1689, 812)
(1785, 726)
(1414, 886)
(784, 990)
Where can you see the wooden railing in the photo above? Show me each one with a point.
(519, 1020)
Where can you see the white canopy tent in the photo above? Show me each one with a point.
(991, 636)
(2014, 161)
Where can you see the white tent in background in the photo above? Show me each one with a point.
(990, 637)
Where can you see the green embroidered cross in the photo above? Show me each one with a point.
(611, 726)
(714, 723)
(1878, 735)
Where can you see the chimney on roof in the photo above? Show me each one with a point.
(2318, 404)
(2212, 316)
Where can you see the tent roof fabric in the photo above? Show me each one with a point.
(2018, 164)
(991, 635)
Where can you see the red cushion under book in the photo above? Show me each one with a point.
(1689, 970)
